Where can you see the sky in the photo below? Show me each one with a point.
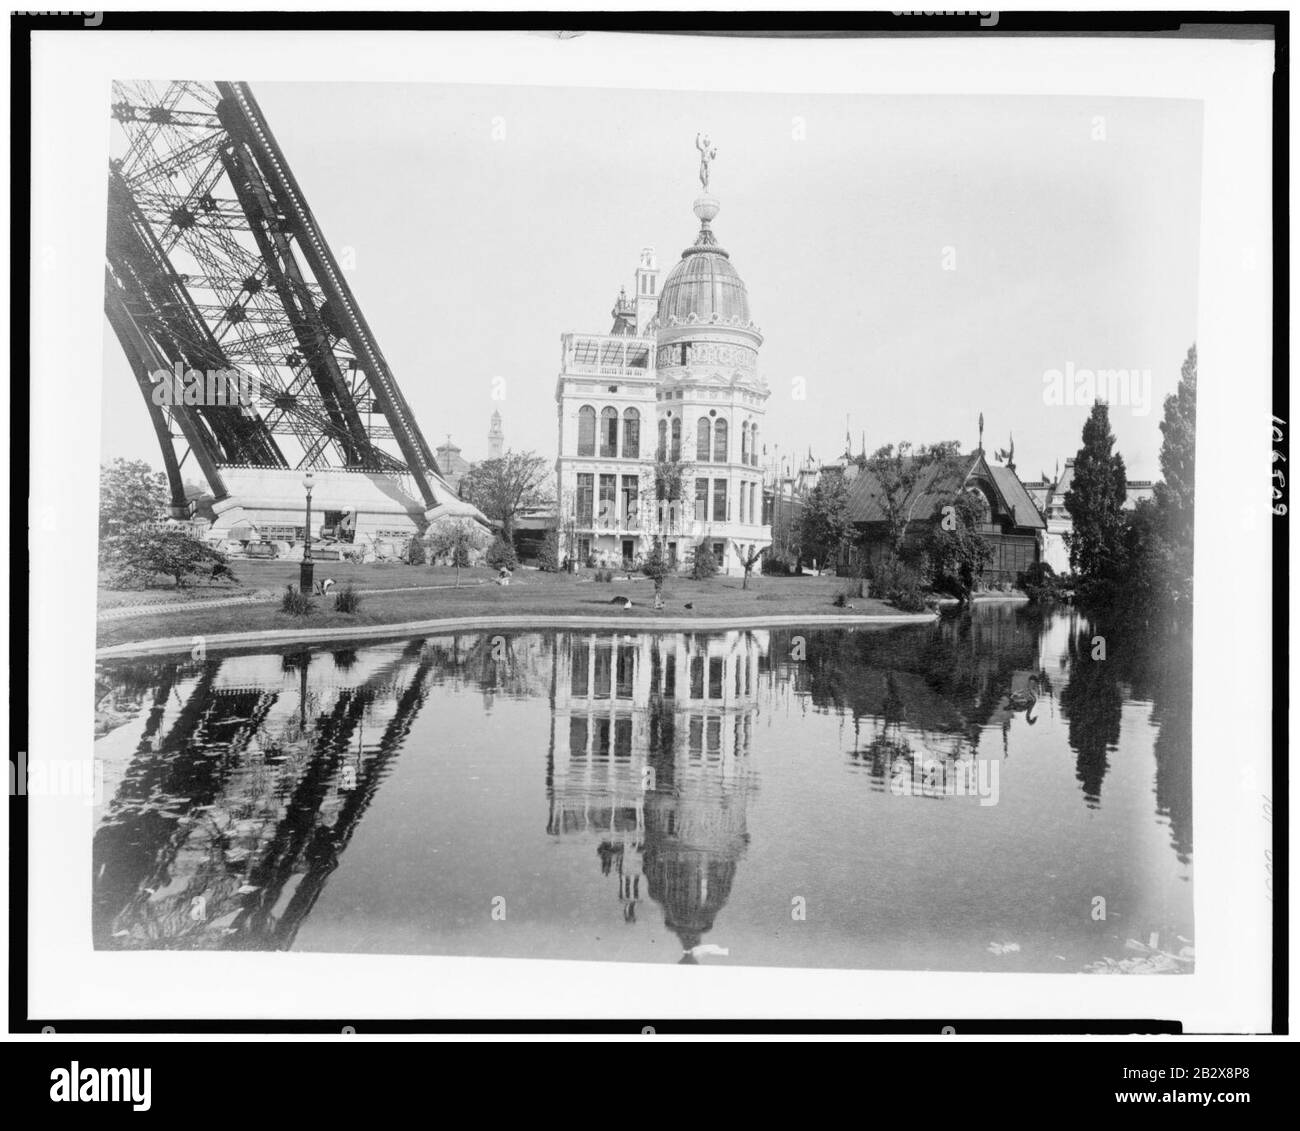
(482, 222)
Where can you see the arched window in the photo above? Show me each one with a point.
(631, 434)
(608, 433)
(753, 444)
(586, 431)
(663, 439)
(720, 441)
(703, 439)
(677, 439)
(744, 443)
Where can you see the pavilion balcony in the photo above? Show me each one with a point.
(606, 355)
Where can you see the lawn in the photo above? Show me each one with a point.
(529, 593)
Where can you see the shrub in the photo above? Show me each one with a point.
(775, 567)
(548, 559)
(705, 565)
(296, 602)
(1041, 582)
(909, 600)
(138, 557)
(347, 599)
(416, 554)
(501, 554)
(604, 576)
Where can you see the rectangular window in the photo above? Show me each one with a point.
(580, 659)
(631, 487)
(701, 500)
(577, 738)
(605, 503)
(697, 677)
(603, 674)
(715, 677)
(586, 496)
(626, 659)
(719, 500)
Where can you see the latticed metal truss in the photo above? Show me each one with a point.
(215, 262)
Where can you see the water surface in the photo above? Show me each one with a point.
(956, 796)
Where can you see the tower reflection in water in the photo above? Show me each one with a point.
(650, 744)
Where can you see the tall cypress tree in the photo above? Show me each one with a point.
(1176, 495)
(1095, 502)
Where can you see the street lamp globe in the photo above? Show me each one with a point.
(307, 482)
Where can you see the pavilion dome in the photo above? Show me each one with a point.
(704, 283)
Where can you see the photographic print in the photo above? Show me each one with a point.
(648, 526)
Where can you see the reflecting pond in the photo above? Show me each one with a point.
(993, 791)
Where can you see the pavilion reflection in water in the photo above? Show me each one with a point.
(649, 761)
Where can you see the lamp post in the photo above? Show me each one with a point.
(305, 575)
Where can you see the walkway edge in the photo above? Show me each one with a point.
(461, 624)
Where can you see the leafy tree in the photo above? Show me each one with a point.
(1176, 495)
(1095, 502)
(548, 558)
(665, 483)
(656, 567)
(824, 524)
(502, 487)
(454, 540)
(705, 565)
(898, 469)
(416, 553)
(958, 552)
(172, 553)
(131, 495)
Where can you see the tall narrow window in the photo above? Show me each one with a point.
(703, 436)
(720, 441)
(586, 431)
(663, 439)
(631, 486)
(677, 439)
(631, 434)
(605, 503)
(701, 500)
(744, 443)
(753, 445)
(609, 433)
(586, 498)
(719, 500)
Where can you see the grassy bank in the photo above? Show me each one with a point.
(530, 593)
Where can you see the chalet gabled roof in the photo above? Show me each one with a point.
(935, 488)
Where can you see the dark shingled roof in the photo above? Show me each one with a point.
(935, 488)
(1017, 498)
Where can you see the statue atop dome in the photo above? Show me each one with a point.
(708, 151)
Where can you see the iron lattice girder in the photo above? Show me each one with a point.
(204, 174)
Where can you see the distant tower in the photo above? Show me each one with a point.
(496, 437)
(647, 289)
